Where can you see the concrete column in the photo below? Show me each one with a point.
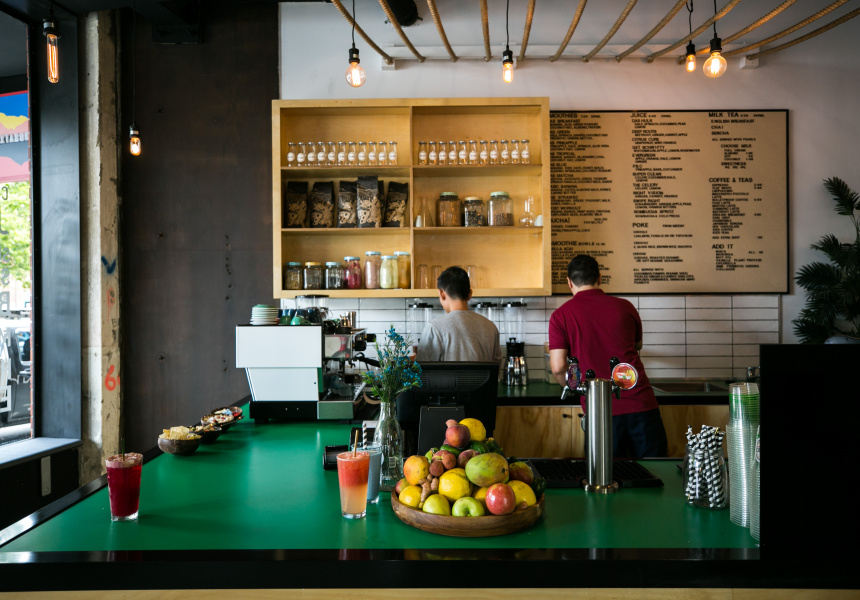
(100, 210)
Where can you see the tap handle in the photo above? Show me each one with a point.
(589, 374)
(617, 391)
(613, 362)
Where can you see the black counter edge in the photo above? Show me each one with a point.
(315, 569)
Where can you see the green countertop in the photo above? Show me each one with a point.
(263, 487)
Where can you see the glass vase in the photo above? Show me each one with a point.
(389, 437)
(706, 483)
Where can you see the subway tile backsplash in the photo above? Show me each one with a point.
(684, 336)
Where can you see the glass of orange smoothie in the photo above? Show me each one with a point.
(352, 471)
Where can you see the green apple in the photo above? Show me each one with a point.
(437, 504)
(467, 507)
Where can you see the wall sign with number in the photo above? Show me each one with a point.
(672, 201)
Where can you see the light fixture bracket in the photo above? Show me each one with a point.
(133, 132)
(691, 49)
(49, 27)
(353, 55)
(507, 56)
(716, 45)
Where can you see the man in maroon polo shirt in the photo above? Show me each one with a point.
(594, 327)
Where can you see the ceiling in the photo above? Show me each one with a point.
(462, 22)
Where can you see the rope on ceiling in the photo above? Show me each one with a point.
(747, 29)
(608, 36)
(388, 60)
(431, 4)
(719, 15)
(653, 32)
(570, 30)
(785, 32)
(809, 35)
(485, 26)
(393, 20)
(527, 29)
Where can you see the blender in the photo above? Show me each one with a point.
(515, 370)
(420, 313)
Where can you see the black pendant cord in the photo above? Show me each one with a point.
(507, 31)
(715, 21)
(690, 19)
(353, 23)
(133, 69)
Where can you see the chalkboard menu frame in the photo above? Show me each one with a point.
(672, 201)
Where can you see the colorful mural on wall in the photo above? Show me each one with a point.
(14, 137)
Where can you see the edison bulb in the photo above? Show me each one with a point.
(507, 72)
(355, 75)
(691, 63)
(134, 141)
(53, 60)
(715, 66)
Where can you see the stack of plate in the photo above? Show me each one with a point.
(264, 315)
(740, 436)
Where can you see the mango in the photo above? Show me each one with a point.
(486, 469)
(522, 472)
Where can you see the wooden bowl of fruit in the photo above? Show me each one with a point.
(463, 526)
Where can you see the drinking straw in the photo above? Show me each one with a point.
(355, 445)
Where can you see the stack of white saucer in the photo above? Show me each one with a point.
(264, 315)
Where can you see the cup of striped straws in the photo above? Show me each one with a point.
(706, 483)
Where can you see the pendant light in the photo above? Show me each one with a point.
(716, 65)
(507, 55)
(355, 75)
(690, 61)
(52, 33)
(133, 133)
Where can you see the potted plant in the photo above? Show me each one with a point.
(833, 289)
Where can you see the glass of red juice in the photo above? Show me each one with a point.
(352, 471)
(123, 476)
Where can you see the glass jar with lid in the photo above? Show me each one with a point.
(392, 153)
(473, 212)
(352, 272)
(334, 275)
(463, 153)
(372, 262)
(525, 157)
(422, 153)
(452, 152)
(351, 154)
(371, 154)
(293, 276)
(381, 154)
(312, 154)
(515, 152)
(321, 153)
(389, 276)
(313, 276)
(404, 269)
(291, 154)
(494, 152)
(504, 153)
(443, 153)
(483, 153)
(432, 157)
(448, 210)
(500, 212)
(473, 152)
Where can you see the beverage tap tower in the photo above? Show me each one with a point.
(597, 421)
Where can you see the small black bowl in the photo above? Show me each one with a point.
(207, 435)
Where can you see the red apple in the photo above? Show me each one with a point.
(457, 436)
(522, 472)
(501, 499)
(400, 485)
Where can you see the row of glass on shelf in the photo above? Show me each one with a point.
(341, 154)
(474, 152)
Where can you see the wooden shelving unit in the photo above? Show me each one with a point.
(511, 261)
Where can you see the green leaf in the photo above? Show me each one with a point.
(818, 276)
(847, 201)
(810, 333)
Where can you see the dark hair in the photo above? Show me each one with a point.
(454, 281)
(583, 270)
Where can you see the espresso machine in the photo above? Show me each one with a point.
(515, 371)
(302, 371)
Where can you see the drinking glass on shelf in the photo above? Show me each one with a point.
(321, 154)
(472, 271)
(435, 271)
(382, 154)
(528, 218)
(422, 277)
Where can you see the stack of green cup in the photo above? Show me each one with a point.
(740, 437)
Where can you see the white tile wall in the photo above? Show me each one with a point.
(684, 336)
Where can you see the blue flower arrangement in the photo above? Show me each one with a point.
(396, 372)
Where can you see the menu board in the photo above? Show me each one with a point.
(672, 201)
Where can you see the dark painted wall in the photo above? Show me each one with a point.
(22, 485)
(196, 242)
